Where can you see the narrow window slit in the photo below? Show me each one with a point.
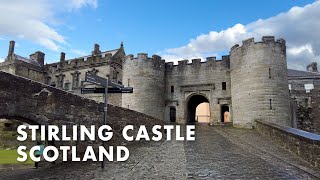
(269, 73)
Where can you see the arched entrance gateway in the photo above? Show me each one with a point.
(195, 114)
(9, 123)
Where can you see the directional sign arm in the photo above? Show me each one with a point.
(110, 90)
(92, 78)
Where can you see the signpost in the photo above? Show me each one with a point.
(110, 90)
(92, 78)
(108, 87)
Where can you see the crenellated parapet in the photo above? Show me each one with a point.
(96, 59)
(265, 41)
(82, 62)
(211, 62)
(268, 44)
(155, 62)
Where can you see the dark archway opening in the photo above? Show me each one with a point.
(9, 124)
(193, 102)
(224, 117)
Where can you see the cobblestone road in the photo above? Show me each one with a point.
(219, 152)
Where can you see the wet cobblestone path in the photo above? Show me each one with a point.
(225, 153)
(219, 152)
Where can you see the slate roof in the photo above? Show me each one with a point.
(30, 61)
(112, 52)
(292, 74)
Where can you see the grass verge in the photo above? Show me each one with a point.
(10, 157)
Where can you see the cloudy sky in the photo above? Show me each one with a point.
(175, 30)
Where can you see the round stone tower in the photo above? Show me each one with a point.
(147, 77)
(259, 82)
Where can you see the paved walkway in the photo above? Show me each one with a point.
(219, 152)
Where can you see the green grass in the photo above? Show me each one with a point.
(10, 157)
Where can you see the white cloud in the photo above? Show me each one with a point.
(77, 4)
(1, 60)
(298, 50)
(32, 20)
(214, 41)
(299, 26)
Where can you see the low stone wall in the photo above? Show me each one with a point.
(36, 103)
(302, 143)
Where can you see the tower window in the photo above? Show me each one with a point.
(270, 104)
(224, 86)
(269, 73)
(128, 82)
(172, 89)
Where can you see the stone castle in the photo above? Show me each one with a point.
(251, 82)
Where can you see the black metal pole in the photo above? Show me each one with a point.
(105, 113)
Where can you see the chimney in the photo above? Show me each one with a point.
(11, 48)
(96, 49)
(62, 57)
(39, 57)
(313, 67)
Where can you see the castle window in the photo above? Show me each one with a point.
(224, 86)
(114, 75)
(128, 82)
(269, 73)
(60, 80)
(67, 86)
(270, 104)
(75, 79)
(47, 80)
(172, 89)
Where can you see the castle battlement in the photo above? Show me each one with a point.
(142, 59)
(210, 62)
(93, 60)
(270, 40)
(96, 59)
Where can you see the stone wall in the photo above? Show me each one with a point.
(197, 78)
(315, 113)
(306, 109)
(104, 66)
(23, 69)
(36, 103)
(147, 77)
(302, 143)
(259, 82)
